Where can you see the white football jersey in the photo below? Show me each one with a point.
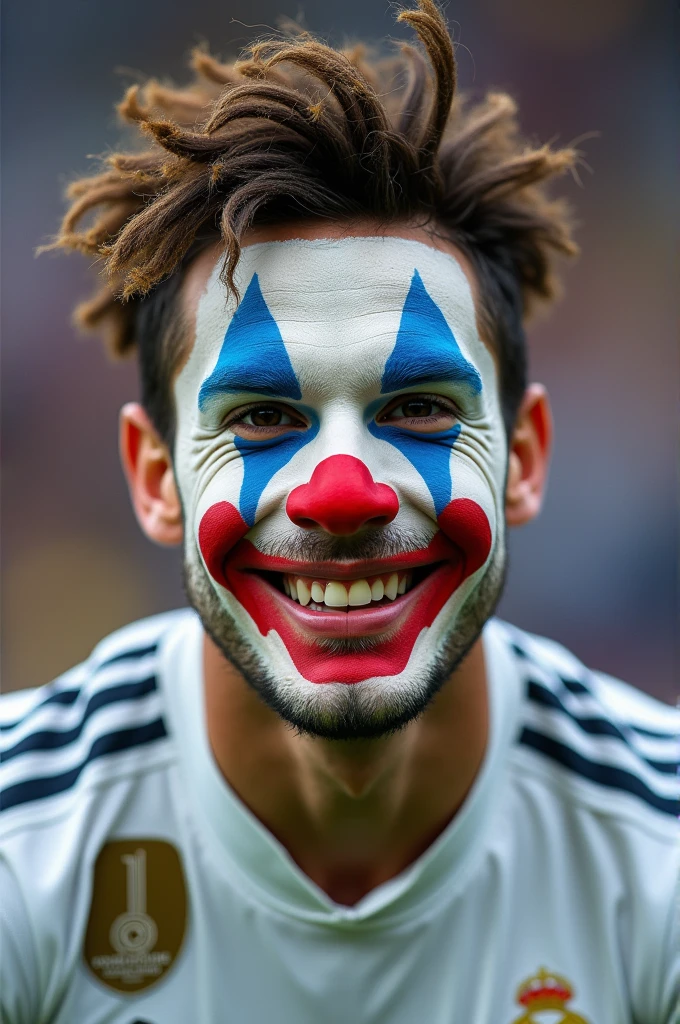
(136, 888)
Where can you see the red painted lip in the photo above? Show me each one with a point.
(458, 549)
(246, 557)
(395, 627)
(355, 622)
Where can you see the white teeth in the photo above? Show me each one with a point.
(359, 593)
(336, 595)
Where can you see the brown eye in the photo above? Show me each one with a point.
(263, 422)
(416, 408)
(266, 416)
(424, 414)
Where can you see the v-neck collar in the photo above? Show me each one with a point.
(263, 862)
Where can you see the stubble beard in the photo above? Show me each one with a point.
(338, 711)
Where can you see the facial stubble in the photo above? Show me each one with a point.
(340, 711)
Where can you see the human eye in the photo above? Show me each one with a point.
(422, 413)
(264, 421)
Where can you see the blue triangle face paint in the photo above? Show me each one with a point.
(426, 352)
(253, 357)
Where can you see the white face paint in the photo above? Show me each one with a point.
(340, 438)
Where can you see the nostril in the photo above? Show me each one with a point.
(380, 520)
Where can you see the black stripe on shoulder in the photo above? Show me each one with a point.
(574, 685)
(51, 739)
(604, 774)
(593, 725)
(578, 687)
(111, 743)
(67, 697)
(64, 697)
(133, 654)
(652, 733)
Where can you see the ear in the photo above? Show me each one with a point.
(148, 469)
(529, 457)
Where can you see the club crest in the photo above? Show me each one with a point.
(546, 990)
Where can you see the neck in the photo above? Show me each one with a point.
(355, 813)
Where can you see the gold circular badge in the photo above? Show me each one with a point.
(137, 915)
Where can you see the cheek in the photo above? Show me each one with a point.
(466, 523)
(220, 528)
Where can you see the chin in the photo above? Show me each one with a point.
(373, 704)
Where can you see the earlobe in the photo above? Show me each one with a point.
(148, 469)
(528, 457)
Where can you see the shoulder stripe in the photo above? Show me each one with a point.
(65, 697)
(604, 774)
(111, 743)
(68, 696)
(595, 725)
(653, 734)
(50, 739)
(129, 655)
(579, 688)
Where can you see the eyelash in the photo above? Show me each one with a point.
(436, 400)
(240, 414)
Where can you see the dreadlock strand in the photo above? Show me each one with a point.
(431, 28)
(414, 101)
(131, 108)
(179, 105)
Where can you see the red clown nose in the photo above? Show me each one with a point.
(341, 497)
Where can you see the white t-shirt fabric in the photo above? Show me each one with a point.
(136, 888)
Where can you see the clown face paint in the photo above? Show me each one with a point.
(341, 459)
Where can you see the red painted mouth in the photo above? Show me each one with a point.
(313, 638)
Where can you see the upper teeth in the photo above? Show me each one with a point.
(341, 593)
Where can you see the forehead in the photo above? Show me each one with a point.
(336, 306)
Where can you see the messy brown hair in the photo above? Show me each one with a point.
(296, 129)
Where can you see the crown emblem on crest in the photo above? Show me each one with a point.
(546, 990)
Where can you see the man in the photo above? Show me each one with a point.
(337, 789)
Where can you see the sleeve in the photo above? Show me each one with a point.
(19, 982)
(670, 993)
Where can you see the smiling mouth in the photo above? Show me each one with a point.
(318, 600)
(302, 605)
(318, 593)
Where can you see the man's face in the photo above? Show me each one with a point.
(341, 461)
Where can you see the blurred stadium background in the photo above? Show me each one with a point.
(599, 571)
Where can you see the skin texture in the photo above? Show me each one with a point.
(349, 336)
(351, 812)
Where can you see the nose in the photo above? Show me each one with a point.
(341, 497)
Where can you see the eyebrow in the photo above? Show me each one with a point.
(253, 356)
(426, 350)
